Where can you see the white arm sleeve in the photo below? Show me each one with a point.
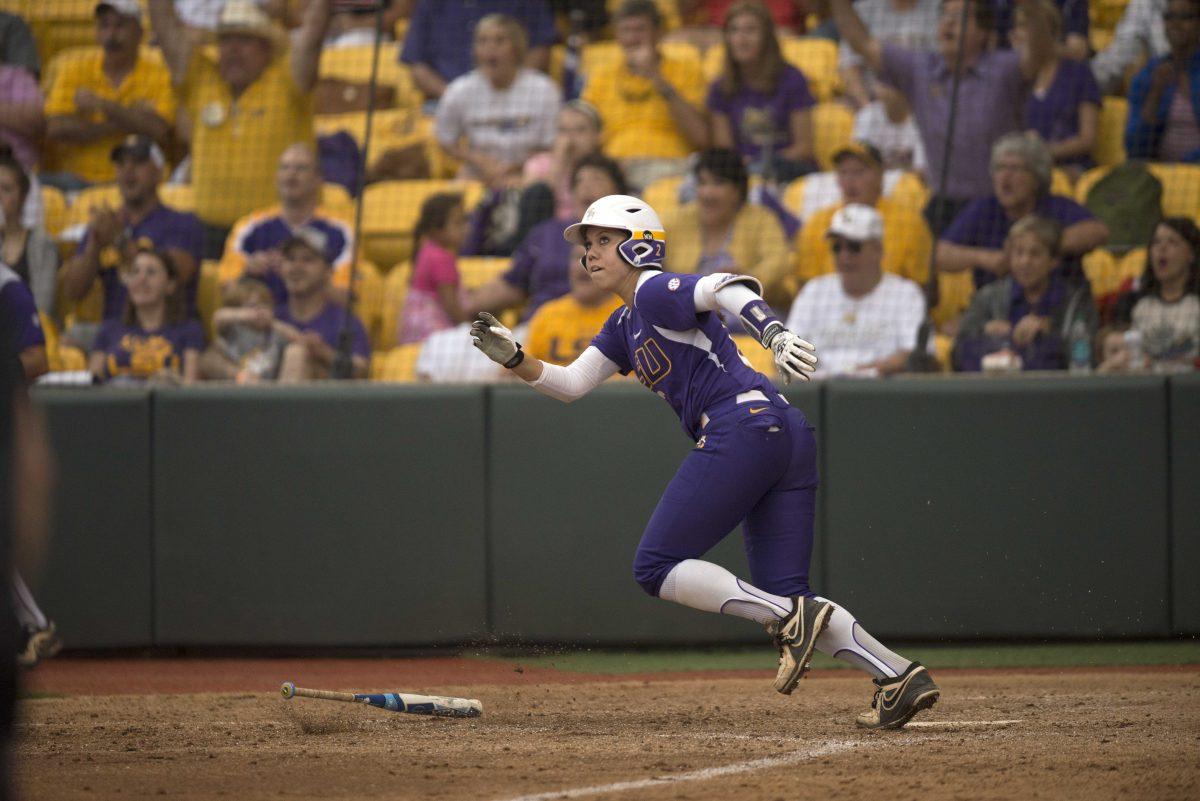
(576, 379)
(726, 291)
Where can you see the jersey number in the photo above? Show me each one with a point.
(651, 363)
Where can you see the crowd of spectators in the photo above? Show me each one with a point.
(923, 183)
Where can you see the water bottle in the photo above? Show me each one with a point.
(1133, 343)
(1079, 348)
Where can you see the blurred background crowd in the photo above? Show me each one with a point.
(289, 190)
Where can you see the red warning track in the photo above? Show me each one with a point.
(156, 676)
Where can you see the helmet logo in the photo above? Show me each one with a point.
(647, 235)
(673, 284)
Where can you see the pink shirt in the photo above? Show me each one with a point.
(18, 86)
(423, 313)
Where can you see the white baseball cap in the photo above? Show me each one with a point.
(857, 222)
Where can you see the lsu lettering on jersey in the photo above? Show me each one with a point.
(684, 356)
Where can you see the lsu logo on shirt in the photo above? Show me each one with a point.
(651, 363)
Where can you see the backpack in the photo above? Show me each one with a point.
(1129, 201)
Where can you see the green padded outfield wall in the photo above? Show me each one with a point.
(989, 508)
(319, 516)
(97, 585)
(572, 487)
(1185, 502)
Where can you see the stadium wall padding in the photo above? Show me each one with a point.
(98, 580)
(318, 516)
(1025, 507)
(1185, 502)
(414, 515)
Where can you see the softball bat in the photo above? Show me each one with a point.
(438, 705)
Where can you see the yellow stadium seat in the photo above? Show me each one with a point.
(59, 25)
(910, 191)
(1181, 188)
(1060, 183)
(59, 356)
(391, 208)
(55, 205)
(759, 357)
(793, 196)
(208, 294)
(1087, 181)
(353, 64)
(816, 58)
(663, 194)
(396, 365)
(337, 201)
(954, 295)
(475, 271)
(1110, 134)
(395, 290)
(833, 125)
(92, 197)
(1105, 14)
(1101, 269)
(1133, 264)
(180, 197)
(369, 296)
(1099, 38)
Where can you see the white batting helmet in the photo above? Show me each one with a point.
(646, 246)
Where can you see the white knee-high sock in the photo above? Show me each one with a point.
(27, 610)
(845, 639)
(712, 588)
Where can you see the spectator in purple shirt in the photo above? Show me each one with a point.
(142, 220)
(1072, 33)
(1164, 98)
(760, 104)
(310, 319)
(1064, 106)
(153, 338)
(1030, 313)
(438, 45)
(1021, 179)
(539, 270)
(20, 314)
(993, 87)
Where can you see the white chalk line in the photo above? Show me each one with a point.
(803, 755)
(955, 724)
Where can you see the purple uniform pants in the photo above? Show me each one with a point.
(757, 463)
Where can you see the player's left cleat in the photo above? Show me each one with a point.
(38, 644)
(897, 700)
(796, 636)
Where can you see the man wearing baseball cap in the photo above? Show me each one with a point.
(863, 319)
(246, 106)
(113, 235)
(859, 168)
(100, 94)
(309, 318)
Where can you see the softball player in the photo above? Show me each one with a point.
(755, 456)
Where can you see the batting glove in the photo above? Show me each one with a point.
(796, 358)
(496, 341)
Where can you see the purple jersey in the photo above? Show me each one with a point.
(134, 352)
(18, 309)
(328, 324)
(684, 356)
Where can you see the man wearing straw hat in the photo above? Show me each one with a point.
(246, 106)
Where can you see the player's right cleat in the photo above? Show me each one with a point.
(38, 644)
(897, 700)
(796, 636)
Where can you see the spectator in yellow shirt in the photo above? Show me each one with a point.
(859, 168)
(652, 104)
(99, 95)
(245, 107)
(563, 328)
(720, 232)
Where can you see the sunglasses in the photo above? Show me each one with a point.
(838, 246)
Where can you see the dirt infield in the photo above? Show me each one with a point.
(1094, 735)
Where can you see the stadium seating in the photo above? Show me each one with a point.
(833, 125)
(370, 293)
(663, 194)
(816, 58)
(395, 290)
(353, 65)
(909, 190)
(208, 294)
(397, 364)
(759, 357)
(1110, 134)
(391, 208)
(180, 197)
(59, 356)
(55, 205)
(59, 25)
(475, 271)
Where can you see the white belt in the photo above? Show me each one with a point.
(744, 397)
